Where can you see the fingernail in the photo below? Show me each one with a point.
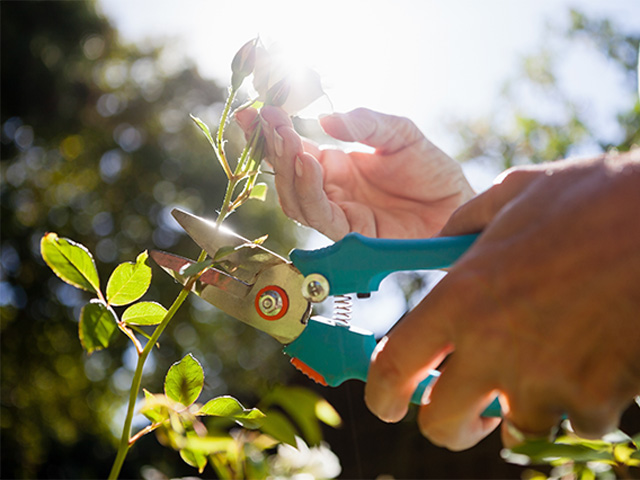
(299, 167)
(278, 143)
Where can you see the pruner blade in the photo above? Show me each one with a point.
(252, 284)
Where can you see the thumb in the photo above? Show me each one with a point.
(473, 216)
(477, 213)
(386, 133)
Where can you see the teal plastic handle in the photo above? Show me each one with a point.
(357, 264)
(340, 352)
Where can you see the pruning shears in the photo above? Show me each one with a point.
(275, 295)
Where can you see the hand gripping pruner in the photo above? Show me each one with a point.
(275, 295)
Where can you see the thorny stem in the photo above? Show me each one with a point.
(219, 140)
(124, 444)
(227, 207)
(252, 152)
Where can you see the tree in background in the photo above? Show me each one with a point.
(97, 145)
(540, 118)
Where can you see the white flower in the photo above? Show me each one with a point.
(291, 87)
(304, 463)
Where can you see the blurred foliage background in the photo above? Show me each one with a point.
(97, 145)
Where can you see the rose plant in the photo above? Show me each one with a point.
(234, 440)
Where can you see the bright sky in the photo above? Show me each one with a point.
(428, 60)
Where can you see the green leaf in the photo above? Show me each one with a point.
(541, 451)
(196, 268)
(205, 129)
(327, 414)
(279, 427)
(97, 325)
(209, 444)
(224, 252)
(259, 192)
(306, 408)
(184, 381)
(194, 458)
(156, 407)
(144, 313)
(129, 281)
(229, 407)
(70, 261)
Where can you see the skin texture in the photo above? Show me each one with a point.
(407, 188)
(551, 314)
(542, 311)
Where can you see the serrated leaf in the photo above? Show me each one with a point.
(229, 407)
(156, 407)
(144, 313)
(194, 458)
(70, 261)
(205, 129)
(97, 325)
(184, 381)
(259, 192)
(195, 268)
(129, 281)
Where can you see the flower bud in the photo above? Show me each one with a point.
(243, 63)
(278, 93)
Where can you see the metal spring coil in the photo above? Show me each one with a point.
(342, 308)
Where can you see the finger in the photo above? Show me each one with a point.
(595, 422)
(452, 417)
(318, 212)
(246, 119)
(531, 417)
(387, 133)
(285, 175)
(276, 118)
(594, 426)
(415, 346)
(478, 212)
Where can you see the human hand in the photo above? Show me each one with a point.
(543, 310)
(407, 188)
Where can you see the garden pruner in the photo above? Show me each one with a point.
(275, 295)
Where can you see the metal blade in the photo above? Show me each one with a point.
(245, 263)
(241, 300)
(174, 265)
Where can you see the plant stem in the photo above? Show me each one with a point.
(124, 445)
(252, 149)
(219, 140)
(227, 207)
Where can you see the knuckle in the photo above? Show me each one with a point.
(291, 212)
(441, 434)
(385, 365)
